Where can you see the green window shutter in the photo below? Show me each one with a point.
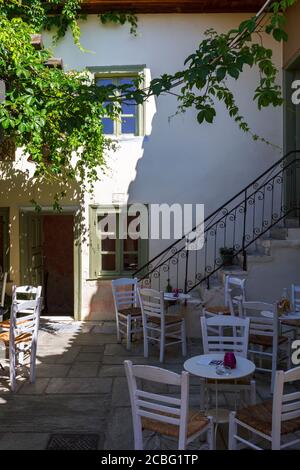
(94, 250)
(117, 73)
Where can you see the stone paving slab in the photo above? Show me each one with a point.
(48, 413)
(84, 369)
(52, 370)
(79, 385)
(112, 371)
(120, 394)
(119, 433)
(36, 388)
(89, 357)
(24, 441)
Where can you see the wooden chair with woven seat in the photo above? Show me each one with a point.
(235, 340)
(127, 309)
(159, 327)
(22, 336)
(164, 414)
(234, 290)
(269, 420)
(265, 343)
(22, 294)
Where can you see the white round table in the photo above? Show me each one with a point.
(200, 366)
(290, 316)
(170, 297)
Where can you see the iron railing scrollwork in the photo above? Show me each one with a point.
(264, 203)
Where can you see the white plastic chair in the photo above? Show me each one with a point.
(166, 330)
(270, 421)
(127, 309)
(163, 414)
(264, 338)
(235, 340)
(22, 336)
(234, 291)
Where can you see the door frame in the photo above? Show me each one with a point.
(77, 250)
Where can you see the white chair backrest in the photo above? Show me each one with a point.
(26, 324)
(125, 293)
(162, 408)
(296, 297)
(286, 406)
(234, 289)
(152, 303)
(260, 325)
(23, 293)
(3, 280)
(235, 340)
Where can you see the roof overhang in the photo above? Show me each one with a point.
(172, 6)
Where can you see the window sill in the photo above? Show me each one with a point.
(124, 138)
(110, 277)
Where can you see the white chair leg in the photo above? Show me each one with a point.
(118, 330)
(211, 435)
(146, 345)
(162, 346)
(32, 364)
(232, 445)
(128, 343)
(253, 392)
(202, 394)
(183, 338)
(12, 368)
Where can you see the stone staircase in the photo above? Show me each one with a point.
(273, 263)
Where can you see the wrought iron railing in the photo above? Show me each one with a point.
(264, 203)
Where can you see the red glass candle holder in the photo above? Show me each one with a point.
(176, 292)
(230, 360)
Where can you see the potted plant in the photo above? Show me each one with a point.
(227, 255)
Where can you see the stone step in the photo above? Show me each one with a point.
(278, 233)
(293, 234)
(292, 222)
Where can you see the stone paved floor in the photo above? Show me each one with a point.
(81, 387)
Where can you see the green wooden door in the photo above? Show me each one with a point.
(31, 243)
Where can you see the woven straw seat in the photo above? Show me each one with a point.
(294, 323)
(169, 320)
(5, 324)
(133, 311)
(266, 341)
(218, 310)
(23, 338)
(196, 422)
(259, 417)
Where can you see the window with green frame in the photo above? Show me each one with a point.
(131, 120)
(111, 256)
(4, 239)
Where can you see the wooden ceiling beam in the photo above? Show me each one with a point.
(172, 6)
